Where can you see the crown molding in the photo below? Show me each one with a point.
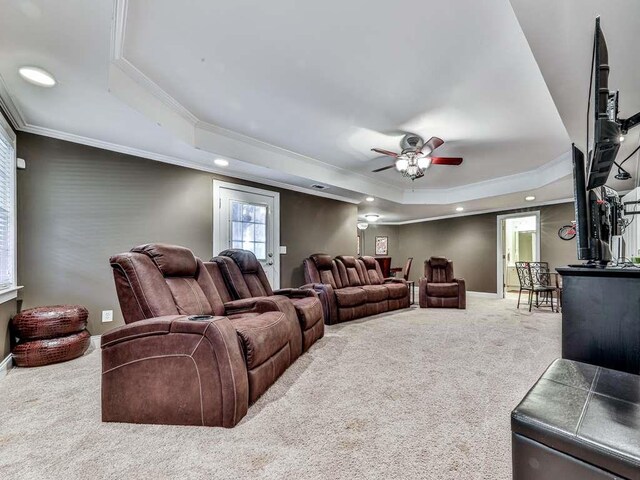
(543, 175)
(114, 147)
(523, 208)
(227, 143)
(10, 107)
(141, 93)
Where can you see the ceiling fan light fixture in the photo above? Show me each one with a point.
(402, 164)
(372, 217)
(363, 225)
(424, 162)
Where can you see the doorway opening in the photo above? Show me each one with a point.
(518, 241)
(248, 218)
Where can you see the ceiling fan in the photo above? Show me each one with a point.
(416, 157)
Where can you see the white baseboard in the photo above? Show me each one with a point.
(6, 365)
(483, 294)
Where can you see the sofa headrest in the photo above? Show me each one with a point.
(347, 260)
(438, 261)
(369, 262)
(171, 260)
(245, 259)
(322, 261)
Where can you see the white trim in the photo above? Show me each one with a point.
(90, 142)
(9, 294)
(482, 294)
(144, 95)
(538, 177)
(6, 365)
(520, 208)
(7, 132)
(500, 245)
(217, 238)
(10, 107)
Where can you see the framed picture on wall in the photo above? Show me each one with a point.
(382, 245)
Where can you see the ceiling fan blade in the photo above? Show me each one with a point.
(383, 168)
(385, 152)
(446, 160)
(433, 143)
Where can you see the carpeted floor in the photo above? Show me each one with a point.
(419, 394)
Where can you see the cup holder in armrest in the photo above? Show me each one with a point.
(200, 318)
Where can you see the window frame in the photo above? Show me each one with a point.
(11, 292)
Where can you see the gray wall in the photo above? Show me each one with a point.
(78, 205)
(368, 241)
(471, 242)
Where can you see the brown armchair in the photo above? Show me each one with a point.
(439, 288)
(187, 357)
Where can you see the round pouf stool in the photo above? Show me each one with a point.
(50, 335)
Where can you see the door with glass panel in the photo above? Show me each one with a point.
(246, 219)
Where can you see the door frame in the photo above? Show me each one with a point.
(217, 237)
(500, 244)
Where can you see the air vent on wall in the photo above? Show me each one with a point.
(317, 186)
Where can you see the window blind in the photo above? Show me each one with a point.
(7, 209)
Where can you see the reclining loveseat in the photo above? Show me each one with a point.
(187, 357)
(353, 287)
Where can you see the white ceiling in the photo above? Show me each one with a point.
(561, 38)
(297, 93)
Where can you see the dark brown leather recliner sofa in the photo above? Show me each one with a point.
(244, 278)
(353, 287)
(167, 366)
(439, 288)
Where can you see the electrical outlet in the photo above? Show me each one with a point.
(283, 250)
(107, 316)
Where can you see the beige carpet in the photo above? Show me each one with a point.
(419, 394)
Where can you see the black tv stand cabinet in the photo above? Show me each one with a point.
(601, 316)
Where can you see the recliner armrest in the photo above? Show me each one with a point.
(296, 292)
(274, 303)
(142, 328)
(175, 371)
(327, 299)
(393, 280)
(462, 292)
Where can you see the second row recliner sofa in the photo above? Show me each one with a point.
(351, 287)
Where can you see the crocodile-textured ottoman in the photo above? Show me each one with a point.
(50, 335)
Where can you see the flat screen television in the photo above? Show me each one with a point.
(593, 216)
(598, 208)
(607, 128)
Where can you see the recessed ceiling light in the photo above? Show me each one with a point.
(369, 199)
(372, 217)
(459, 209)
(221, 162)
(37, 76)
(529, 198)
